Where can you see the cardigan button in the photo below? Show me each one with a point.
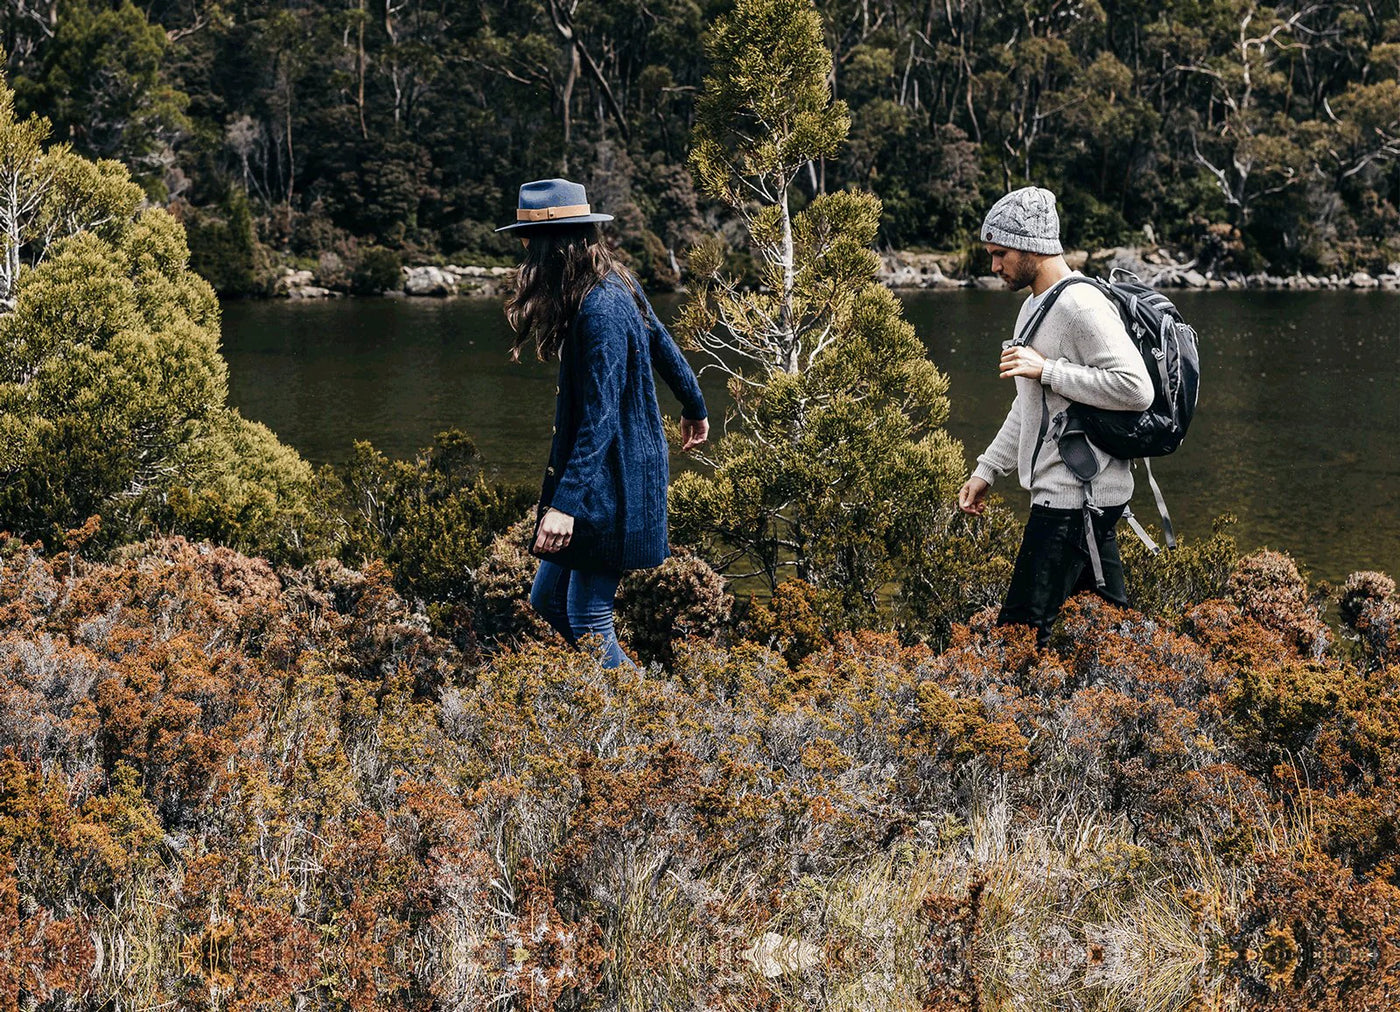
(549, 470)
(554, 430)
(556, 391)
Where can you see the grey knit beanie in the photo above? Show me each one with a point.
(1024, 219)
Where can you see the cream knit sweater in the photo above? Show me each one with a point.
(1089, 359)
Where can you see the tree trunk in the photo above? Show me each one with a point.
(566, 101)
(789, 338)
(360, 72)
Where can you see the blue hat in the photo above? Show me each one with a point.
(553, 202)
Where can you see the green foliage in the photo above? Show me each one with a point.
(1166, 584)
(100, 82)
(959, 565)
(766, 107)
(411, 127)
(377, 270)
(660, 608)
(839, 457)
(224, 247)
(432, 519)
(112, 391)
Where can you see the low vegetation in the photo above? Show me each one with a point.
(230, 786)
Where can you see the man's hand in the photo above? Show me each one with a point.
(1018, 360)
(694, 432)
(556, 530)
(972, 497)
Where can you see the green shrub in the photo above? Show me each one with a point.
(377, 270)
(658, 608)
(1165, 585)
(501, 612)
(432, 519)
(224, 247)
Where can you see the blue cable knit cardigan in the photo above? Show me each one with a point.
(608, 466)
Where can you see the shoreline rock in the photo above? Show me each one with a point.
(901, 271)
(1154, 265)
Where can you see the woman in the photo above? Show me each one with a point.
(603, 502)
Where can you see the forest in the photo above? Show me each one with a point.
(344, 135)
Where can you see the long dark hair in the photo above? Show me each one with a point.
(562, 264)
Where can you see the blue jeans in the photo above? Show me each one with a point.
(578, 604)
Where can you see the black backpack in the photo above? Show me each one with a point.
(1168, 347)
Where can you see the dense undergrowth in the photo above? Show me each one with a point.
(228, 786)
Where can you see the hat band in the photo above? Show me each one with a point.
(550, 213)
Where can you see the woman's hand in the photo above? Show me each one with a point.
(556, 531)
(694, 432)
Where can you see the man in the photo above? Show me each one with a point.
(1080, 352)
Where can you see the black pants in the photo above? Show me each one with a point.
(1053, 565)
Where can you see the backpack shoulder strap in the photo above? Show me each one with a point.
(1051, 297)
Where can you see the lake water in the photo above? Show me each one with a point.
(1297, 433)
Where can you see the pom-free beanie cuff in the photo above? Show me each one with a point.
(1012, 240)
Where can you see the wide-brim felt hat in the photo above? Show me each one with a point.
(553, 202)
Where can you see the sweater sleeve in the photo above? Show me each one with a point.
(1107, 371)
(602, 358)
(675, 370)
(1000, 456)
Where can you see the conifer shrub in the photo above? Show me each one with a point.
(1165, 585)
(377, 270)
(224, 247)
(661, 607)
(838, 452)
(1370, 610)
(431, 519)
(963, 566)
(1268, 588)
(113, 396)
(502, 614)
(792, 620)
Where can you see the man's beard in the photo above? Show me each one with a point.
(1020, 279)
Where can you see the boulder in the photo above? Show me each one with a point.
(1193, 279)
(1363, 280)
(907, 269)
(429, 281)
(903, 276)
(988, 282)
(290, 279)
(1076, 258)
(479, 287)
(1128, 258)
(310, 292)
